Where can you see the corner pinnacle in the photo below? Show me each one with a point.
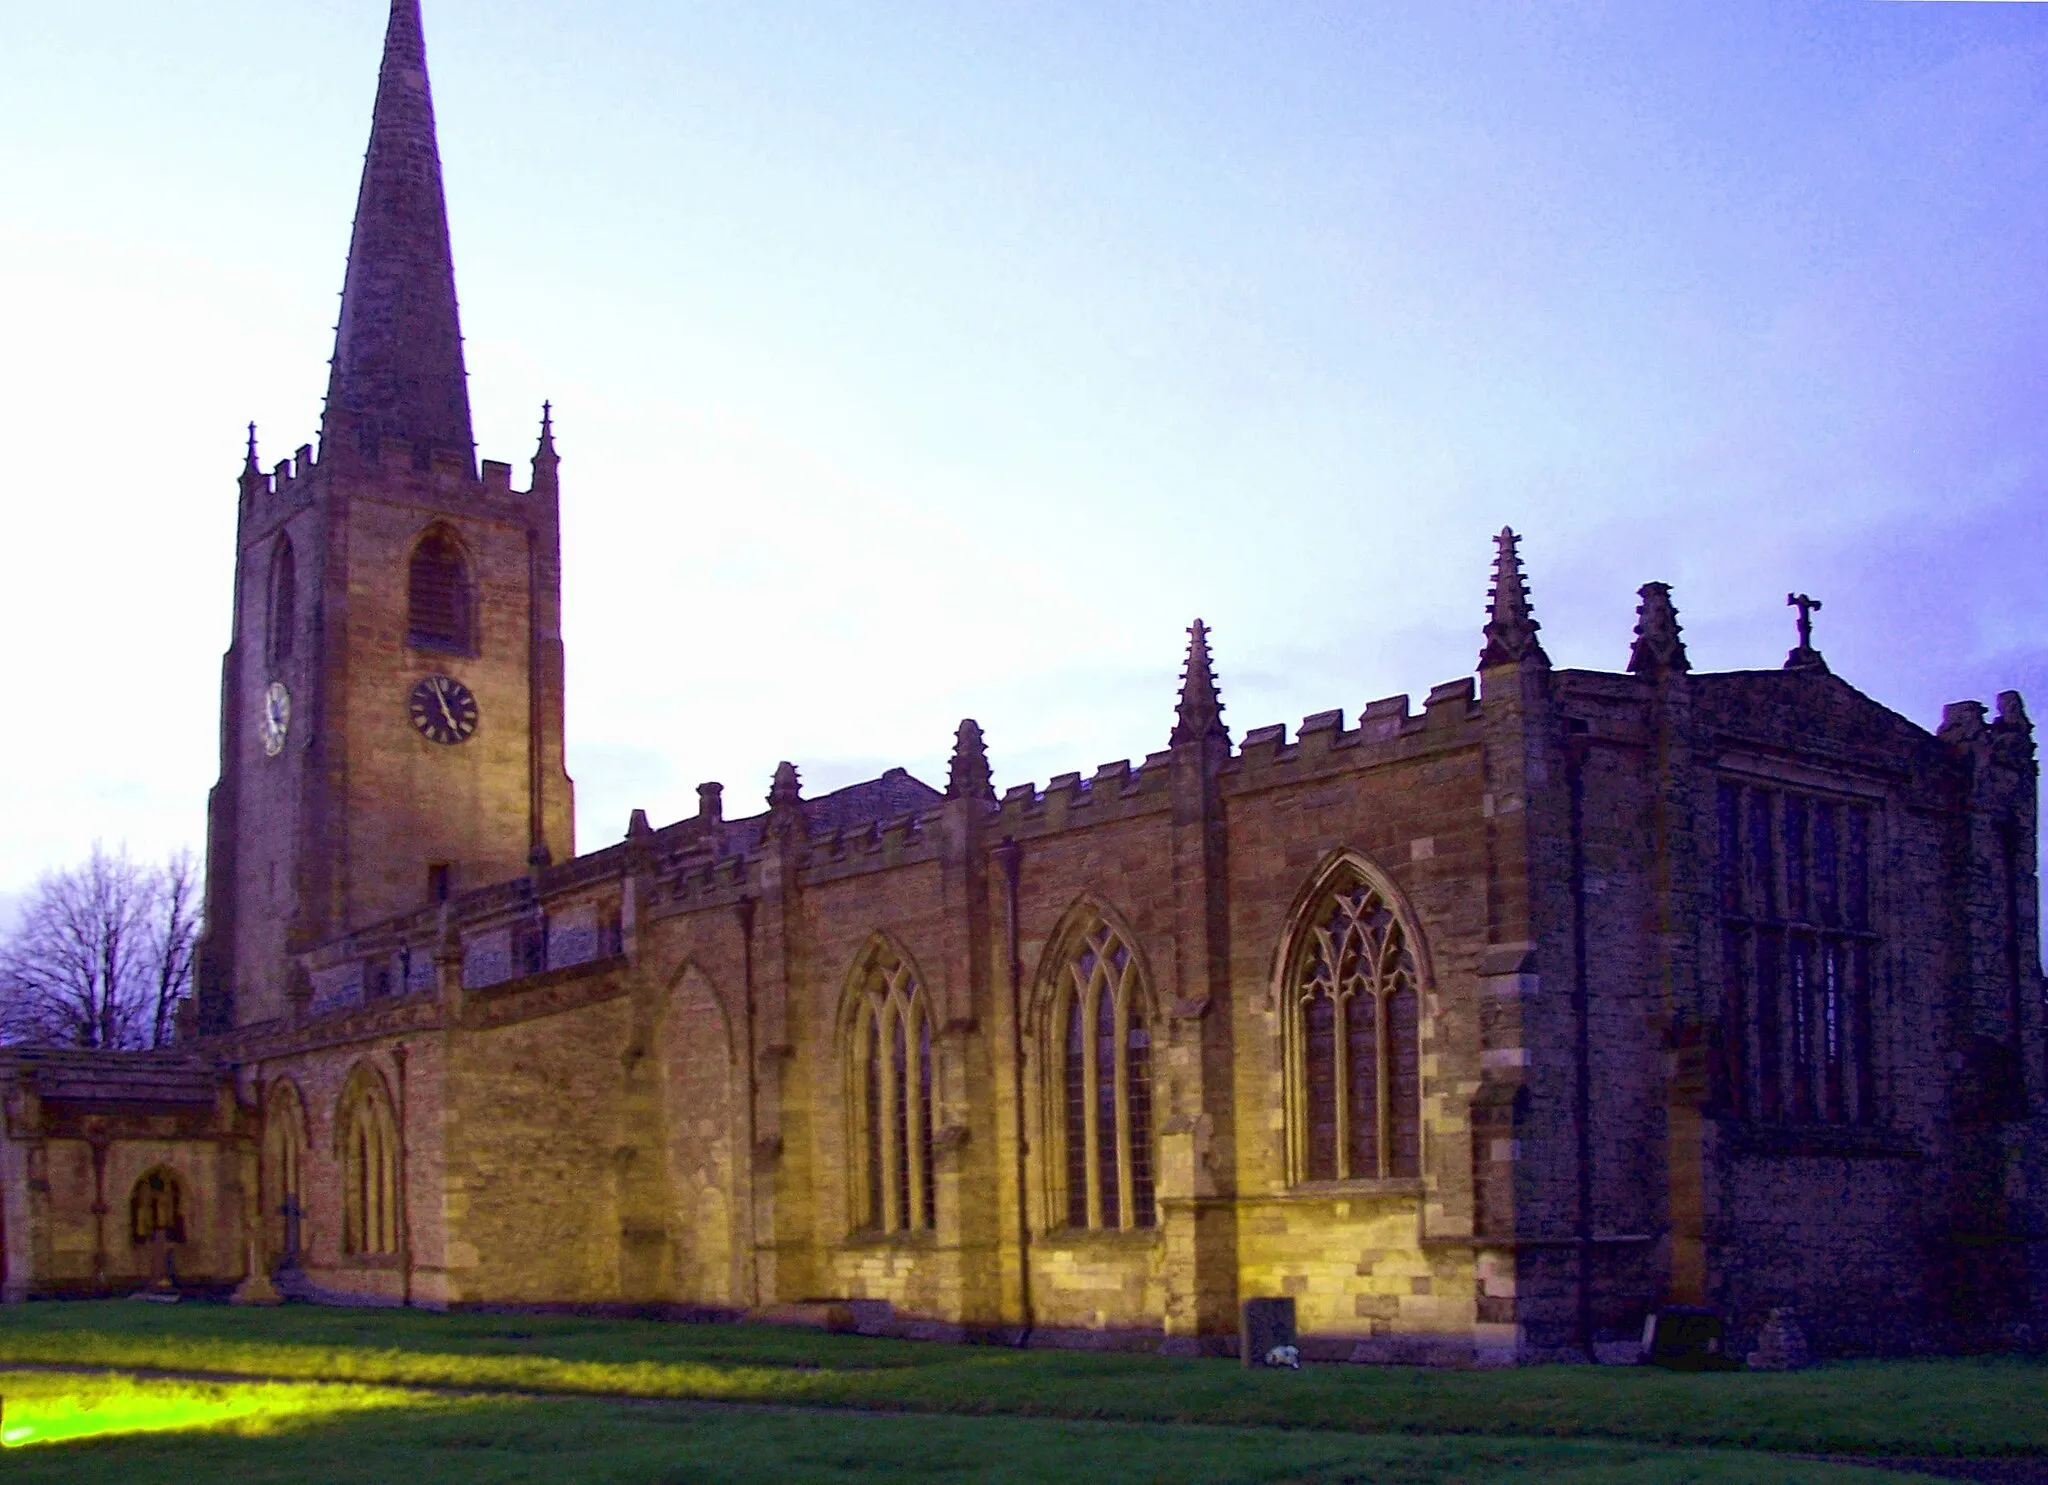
(1510, 629)
(968, 777)
(1658, 650)
(1199, 717)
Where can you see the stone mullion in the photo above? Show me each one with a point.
(885, 1107)
(1091, 1093)
(914, 1213)
(1340, 1079)
(1120, 1024)
(1382, 1048)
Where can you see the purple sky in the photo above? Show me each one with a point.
(918, 361)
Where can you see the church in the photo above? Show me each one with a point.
(1479, 1028)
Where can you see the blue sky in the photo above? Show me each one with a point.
(920, 361)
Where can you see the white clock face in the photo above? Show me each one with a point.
(277, 718)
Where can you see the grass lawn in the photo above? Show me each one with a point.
(1040, 1414)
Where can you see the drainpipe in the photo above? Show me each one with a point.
(1010, 857)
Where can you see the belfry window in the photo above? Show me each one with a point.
(890, 1085)
(437, 587)
(1798, 953)
(283, 618)
(369, 1167)
(1354, 1085)
(1100, 1054)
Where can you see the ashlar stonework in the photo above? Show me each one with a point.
(1477, 1029)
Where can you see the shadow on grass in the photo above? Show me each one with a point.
(473, 1441)
(1988, 1407)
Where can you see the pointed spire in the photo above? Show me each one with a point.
(969, 777)
(1199, 717)
(1658, 650)
(787, 790)
(397, 369)
(1510, 630)
(249, 465)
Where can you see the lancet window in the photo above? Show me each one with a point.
(1353, 1064)
(437, 587)
(284, 1142)
(283, 619)
(1099, 1053)
(1798, 953)
(369, 1167)
(890, 1087)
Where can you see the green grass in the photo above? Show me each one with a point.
(291, 1433)
(1038, 1413)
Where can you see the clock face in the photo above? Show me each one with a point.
(277, 718)
(443, 710)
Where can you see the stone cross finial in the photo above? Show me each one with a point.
(1804, 656)
(1658, 650)
(1199, 717)
(1510, 628)
(969, 777)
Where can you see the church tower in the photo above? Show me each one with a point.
(391, 697)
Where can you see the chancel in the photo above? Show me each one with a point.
(1474, 1031)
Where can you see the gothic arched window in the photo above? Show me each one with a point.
(284, 602)
(284, 1141)
(1351, 996)
(1099, 1052)
(890, 1088)
(437, 595)
(156, 1205)
(369, 1166)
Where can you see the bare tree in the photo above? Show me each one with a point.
(101, 954)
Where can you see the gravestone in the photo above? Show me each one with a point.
(1781, 1344)
(1265, 1335)
(1685, 1338)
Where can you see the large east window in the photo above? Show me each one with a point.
(1798, 955)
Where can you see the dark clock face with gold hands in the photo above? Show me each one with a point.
(443, 710)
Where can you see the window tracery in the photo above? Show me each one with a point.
(369, 1167)
(1099, 1055)
(1351, 1031)
(1798, 955)
(284, 1142)
(890, 1040)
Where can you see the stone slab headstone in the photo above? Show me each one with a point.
(1781, 1344)
(1265, 1335)
(1686, 1338)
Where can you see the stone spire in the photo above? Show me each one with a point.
(786, 801)
(1510, 631)
(1199, 717)
(1658, 650)
(397, 369)
(969, 776)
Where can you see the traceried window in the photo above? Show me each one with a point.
(1353, 1066)
(369, 1167)
(890, 1088)
(437, 587)
(1798, 951)
(284, 1141)
(283, 620)
(156, 1206)
(1100, 1055)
